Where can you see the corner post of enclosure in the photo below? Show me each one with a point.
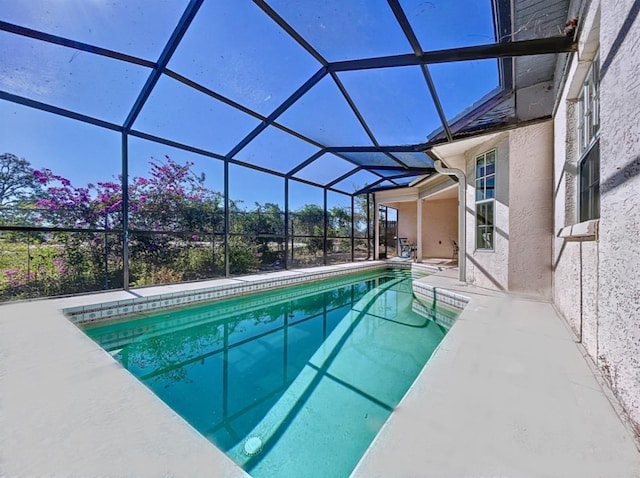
(376, 229)
(418, 252)
(368, 227)
(125, 210)
(353, 229)
(462, 208)
(227, 269)
(286, 222)
(324, 228)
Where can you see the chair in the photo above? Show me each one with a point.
(454, 246)
(404, 248)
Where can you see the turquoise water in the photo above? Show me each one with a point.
(291, 383)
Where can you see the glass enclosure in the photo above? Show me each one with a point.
(201, 139)
(388, 226)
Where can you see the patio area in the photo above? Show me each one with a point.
(507, 393)
(183, 151)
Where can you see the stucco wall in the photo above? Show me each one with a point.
(574, 262)
(407, 219)
(521, 259)
(531, 209)
(597, 282)
(589, 295)
(619, 261)
(439, 226)
(489, 268)
(567, 257)
(576, 289)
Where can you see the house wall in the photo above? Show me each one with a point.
(531, 209)
(619, 247)
(439, 226)
(489, 268)
(575, 260)
(407, 219)
(567, 255)
(521, 259)
(593, 268)
(596, 279)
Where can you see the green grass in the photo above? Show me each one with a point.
(67, 263)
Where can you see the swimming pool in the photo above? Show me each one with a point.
(292, 382)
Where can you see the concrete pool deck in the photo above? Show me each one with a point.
(507, 394)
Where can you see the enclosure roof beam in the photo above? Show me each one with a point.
(46, 37)
(412, 171)
(203, 89)
(344, 176)
(368, 187)
(353, 107)
(217, 96)
(203, 152)
(417, 50)
(76, 45)
(58, 111)
(295, 96)
(422, 172)
(177, 35)
(537, 46)
(371, 187)
(175, 144)
(406, 148)
(290, 31)
(305, 163)
(361, 119)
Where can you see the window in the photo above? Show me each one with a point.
(485, 199)
(589, 145)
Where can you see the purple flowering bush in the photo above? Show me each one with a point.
(171, 198)
(175, 233)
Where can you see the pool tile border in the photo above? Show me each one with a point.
(429, 292)
(240, 286)
(120, 337)
(434, 314)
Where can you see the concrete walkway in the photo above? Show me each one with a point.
(507, 394)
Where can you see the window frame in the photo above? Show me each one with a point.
(481, 200)
(385, 237)
(588, 131)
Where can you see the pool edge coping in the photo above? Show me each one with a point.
(113, 309)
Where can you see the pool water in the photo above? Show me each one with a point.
(293, 382)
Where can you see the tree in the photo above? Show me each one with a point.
(360, 214)
(17, 182)
(262, 227)
(171, 207)
(309, 221)
(340, 221)
(173, 198)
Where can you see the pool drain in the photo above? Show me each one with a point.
(252, 446)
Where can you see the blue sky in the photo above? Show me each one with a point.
(246, 58)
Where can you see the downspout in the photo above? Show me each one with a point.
(462, 211)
